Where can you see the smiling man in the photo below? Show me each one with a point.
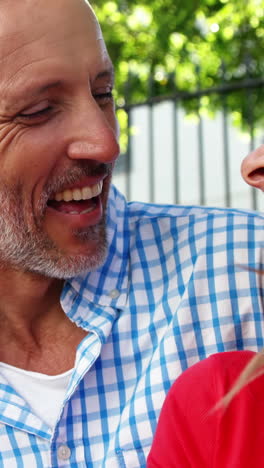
(102, 303)
(59, 132)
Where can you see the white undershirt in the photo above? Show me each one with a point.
(44, 393)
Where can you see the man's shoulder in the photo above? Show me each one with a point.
(144, 211)
(202, 228)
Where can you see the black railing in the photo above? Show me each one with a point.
(180, 100)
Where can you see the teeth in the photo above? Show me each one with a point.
(85, 193)
(87, 211)
(67, 195)
(58, 197)
(81, 212)
(77, 194)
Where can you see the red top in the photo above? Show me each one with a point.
(190, 435)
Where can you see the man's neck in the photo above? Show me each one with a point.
(34, 330)
(26, 298)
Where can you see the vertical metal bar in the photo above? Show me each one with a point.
(251, 148)
(127, 89)
(151, 143)
(175, 139)
(254, 198)
(201, 159)
(226, 156)
(252, 141)
(128, 157)
(151, 156)
(200, 146)
(250, 116)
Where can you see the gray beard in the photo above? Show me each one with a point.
(26, 250)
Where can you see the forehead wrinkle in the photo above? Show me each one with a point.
(36, 89)
(10, 55)
(13, 82)
(22, 40)
(16, 45)
(9, 88)
(6, 49)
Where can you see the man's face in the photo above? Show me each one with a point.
(58, 137)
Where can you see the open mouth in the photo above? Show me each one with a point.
(76, 201)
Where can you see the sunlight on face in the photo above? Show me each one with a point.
(58, 134)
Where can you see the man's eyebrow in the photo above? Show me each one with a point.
(46, 87)
(108, 73)
(24, 91)
(34, 90)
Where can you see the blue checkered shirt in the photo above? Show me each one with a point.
(172, 291)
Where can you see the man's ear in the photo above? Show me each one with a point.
(252, 168)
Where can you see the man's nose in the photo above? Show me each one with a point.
(252, 168)
(93, 134)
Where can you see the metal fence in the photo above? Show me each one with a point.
(125, 174)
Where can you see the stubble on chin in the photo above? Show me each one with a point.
(31, 250)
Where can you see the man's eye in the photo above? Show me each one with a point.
(36, 111)
(34, 115)
(104, 98)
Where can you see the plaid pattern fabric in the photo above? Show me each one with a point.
(172, 291)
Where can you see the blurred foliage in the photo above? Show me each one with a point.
(164, 46)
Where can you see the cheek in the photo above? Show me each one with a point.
(31, 152)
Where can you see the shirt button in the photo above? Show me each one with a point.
(114, 293)
(64, 452)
